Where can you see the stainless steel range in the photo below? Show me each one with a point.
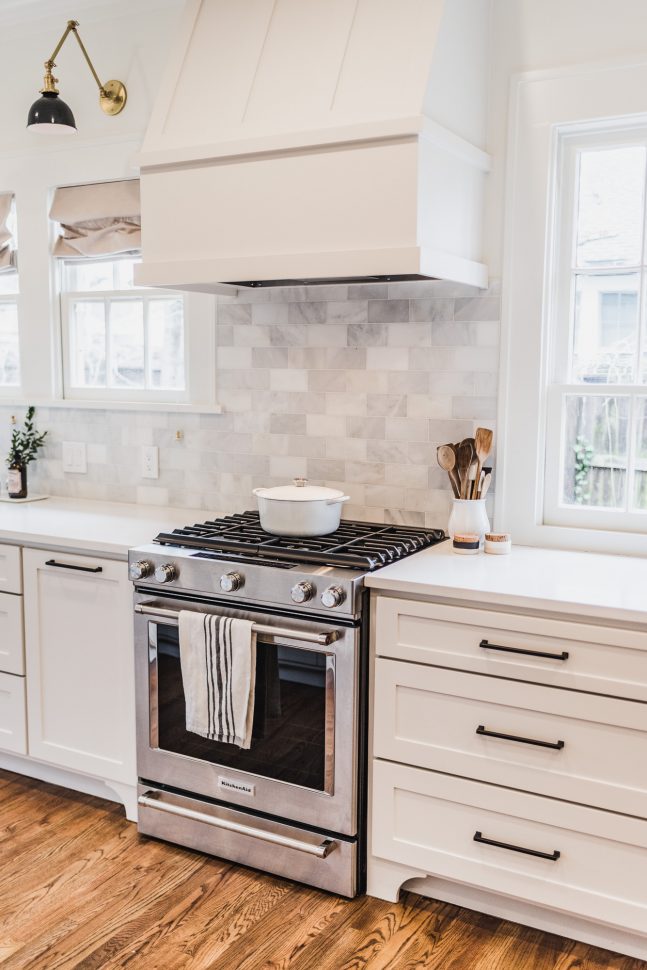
(293, 804)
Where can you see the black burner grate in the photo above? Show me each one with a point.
(356, 545)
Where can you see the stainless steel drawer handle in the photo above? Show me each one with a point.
(320, 850)
(486, 645)
(555, 745)
(71, 565)
(551, 856)
(172, 616)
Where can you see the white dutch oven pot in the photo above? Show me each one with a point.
(300, 509)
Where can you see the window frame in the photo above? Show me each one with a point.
(562, 270)
(544, 104)
(67, 300)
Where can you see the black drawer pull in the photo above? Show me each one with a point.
(70, 565)
(556, 745)
(486, 645)
(551, 856)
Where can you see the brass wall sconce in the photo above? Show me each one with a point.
(50, 114)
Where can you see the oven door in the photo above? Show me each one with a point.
(303, 761)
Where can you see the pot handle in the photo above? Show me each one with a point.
(338, 501)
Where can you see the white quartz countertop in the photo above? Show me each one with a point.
(110, 528)
(613, 588)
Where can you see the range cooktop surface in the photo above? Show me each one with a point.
(355, 545)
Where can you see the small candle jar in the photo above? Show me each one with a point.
(466, 544)
(498, 543)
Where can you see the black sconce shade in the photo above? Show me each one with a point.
(49, 113)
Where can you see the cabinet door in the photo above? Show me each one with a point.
(12, 655)
(79, 652)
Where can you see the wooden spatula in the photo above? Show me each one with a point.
(465, 458)
(482, 447)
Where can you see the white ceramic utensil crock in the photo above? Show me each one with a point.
(468, 515)
(299, 509)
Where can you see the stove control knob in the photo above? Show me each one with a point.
(165, 573)
(302, 592)
(333, 596)
(140, 570)
(230, 582)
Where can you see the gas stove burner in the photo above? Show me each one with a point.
(355, 545)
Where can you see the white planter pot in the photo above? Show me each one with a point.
(299, 509)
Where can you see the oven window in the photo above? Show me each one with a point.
(289, 733)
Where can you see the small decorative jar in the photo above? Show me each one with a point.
(498, 543)
(466, 545)
(468, 516)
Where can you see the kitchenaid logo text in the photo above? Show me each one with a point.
(238, 786)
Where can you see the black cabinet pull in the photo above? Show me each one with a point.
(556, 745)
(70, 565)
(486, 645)
(551, 856)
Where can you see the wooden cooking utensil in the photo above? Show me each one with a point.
(482, 447)
(465, 458)
(486, 484)
(446, 455)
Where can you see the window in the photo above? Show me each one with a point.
(596, 430)
(9, 338)
(120, 341)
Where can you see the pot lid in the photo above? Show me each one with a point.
(299, 491)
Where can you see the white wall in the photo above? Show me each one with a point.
(539, 34)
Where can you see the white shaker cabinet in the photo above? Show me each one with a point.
(80, 679)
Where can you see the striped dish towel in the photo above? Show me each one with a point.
(218, 659)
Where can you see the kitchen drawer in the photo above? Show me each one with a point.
(593, 863)
(12, 651)
(604, 660)
(10, 569)
(13, 718)
(430, 717)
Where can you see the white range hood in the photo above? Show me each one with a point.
(309, 140)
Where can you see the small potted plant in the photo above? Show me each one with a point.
(22, 450)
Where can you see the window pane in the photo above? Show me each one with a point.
(8, 283)
(127, 367)
(605, 337)
(166, 343)
(640, 477)
(88, 343)
(610, 207)
(9, 347)
(89, 275)
(595, 458)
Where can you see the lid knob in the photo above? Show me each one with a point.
(300, 482)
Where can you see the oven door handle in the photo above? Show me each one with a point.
(320, 850)
(325, 639)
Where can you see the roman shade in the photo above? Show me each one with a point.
(101, 219)
(7, 258)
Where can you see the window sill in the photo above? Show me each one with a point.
(174, 407)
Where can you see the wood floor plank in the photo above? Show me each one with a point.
(81, 890)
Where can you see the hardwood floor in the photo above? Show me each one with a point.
(80, 888)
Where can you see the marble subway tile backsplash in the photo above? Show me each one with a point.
(352, 386)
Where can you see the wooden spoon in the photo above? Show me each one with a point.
(486, 484)
(447, 460)
(482, 447)
(465, 458)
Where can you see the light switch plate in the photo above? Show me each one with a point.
(75, 457)
(150, 462)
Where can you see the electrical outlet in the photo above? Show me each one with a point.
(150, 462)
(75, 457)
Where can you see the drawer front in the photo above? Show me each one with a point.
(580, 747)
(13, 718)
(578, 860)
(10, 569)
(580, 656)
(12, 651)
